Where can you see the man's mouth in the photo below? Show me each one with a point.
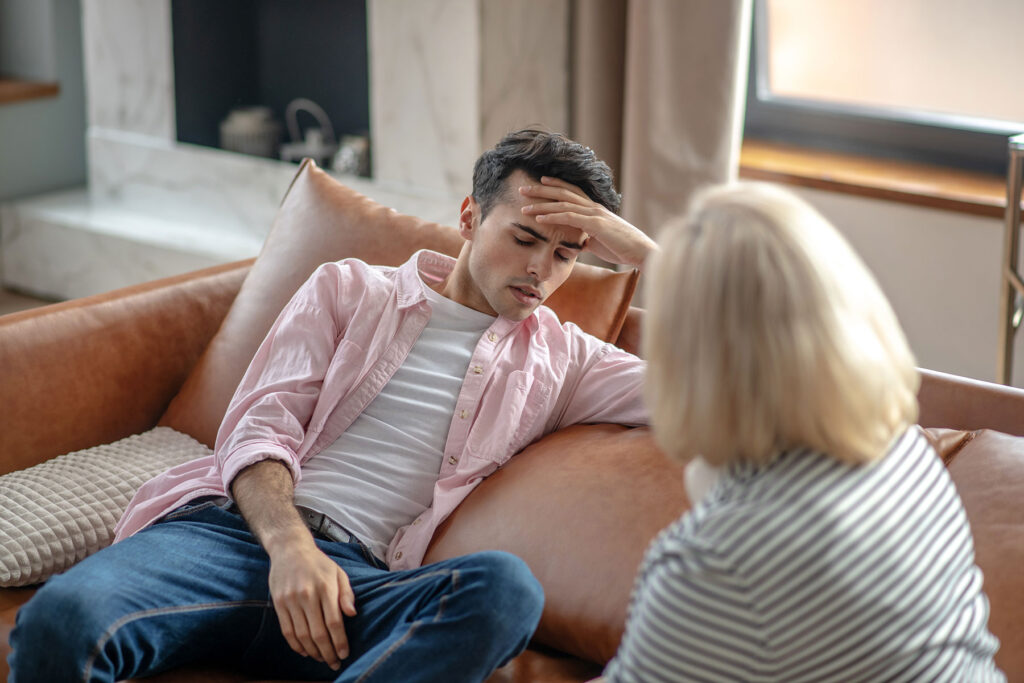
(525, 295)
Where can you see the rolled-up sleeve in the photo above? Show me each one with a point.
(605, 384)
(270, 411)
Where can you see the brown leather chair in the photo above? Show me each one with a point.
(580, 506)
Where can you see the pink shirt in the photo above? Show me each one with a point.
(338, 342)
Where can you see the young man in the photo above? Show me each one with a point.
(379, 399)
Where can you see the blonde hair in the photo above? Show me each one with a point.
(766, 332)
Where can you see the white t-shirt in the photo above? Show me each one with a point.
(380, 474)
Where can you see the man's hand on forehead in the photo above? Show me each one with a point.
(605, 233)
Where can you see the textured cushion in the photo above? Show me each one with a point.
(62, 510)
(322, 220)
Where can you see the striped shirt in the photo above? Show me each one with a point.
(807, 569)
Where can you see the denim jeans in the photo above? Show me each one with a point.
(193, 588)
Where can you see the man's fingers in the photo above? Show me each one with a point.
(320, 626)
(335, 624)
(587, 224)
(346, 597)
(554, 193)
(552, 181)
(558, 207)
(320, 611)
(302, 634)
(288, 629)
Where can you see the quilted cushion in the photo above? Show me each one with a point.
(62, 510)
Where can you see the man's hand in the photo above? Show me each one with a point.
(310, 592)
(612, 238)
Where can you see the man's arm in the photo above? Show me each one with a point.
(612, 238)
(310, 592)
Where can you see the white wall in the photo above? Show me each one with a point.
(42, 142)
(940, 270)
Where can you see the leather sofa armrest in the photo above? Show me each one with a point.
(961, 403)
(629, 335)
(93, 370)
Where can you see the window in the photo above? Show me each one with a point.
(937, 81)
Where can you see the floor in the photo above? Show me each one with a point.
(12, 302)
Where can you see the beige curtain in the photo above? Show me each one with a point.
(658, 92)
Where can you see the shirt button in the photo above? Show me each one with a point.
(452, 460)
(417, 521)
(398, 555)
(462, 415)
(477, 370)
(493, 337)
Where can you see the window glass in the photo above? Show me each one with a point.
(951, 57)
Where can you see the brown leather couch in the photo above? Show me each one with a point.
(580, 506)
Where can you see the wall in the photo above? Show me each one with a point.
(940, 271)
(42, 142)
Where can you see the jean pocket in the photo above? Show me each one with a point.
(190, 508)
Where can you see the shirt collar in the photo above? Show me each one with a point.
(438, 266)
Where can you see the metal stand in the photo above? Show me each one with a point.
(1011, 286)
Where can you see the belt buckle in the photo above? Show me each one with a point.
(334, 531)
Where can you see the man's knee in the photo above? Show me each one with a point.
(61, 612)
(65, 605)
(508, 589)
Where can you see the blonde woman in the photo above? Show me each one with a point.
(826, 540)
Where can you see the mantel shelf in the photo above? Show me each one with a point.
(14, 90)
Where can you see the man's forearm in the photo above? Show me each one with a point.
(310, 591)
(264, 493)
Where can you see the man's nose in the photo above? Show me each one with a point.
(539, 266)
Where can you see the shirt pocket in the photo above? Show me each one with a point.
(510, 419)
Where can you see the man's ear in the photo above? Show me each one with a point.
(469, 218)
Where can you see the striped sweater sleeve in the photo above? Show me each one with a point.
(690, 619)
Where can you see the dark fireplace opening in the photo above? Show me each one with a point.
(239, 64)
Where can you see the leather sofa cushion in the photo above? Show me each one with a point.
(322, 220)
(988, 471)
(600, 493)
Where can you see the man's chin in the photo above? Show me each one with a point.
(518, 311)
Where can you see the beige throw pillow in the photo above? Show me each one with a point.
(63, 510)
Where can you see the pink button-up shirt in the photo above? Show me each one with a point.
(338, 342)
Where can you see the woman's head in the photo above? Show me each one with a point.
(765, 331)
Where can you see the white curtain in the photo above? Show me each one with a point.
(658, 92)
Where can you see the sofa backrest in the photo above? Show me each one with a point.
(322, 220)
(97, 369)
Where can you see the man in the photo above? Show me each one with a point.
(379, 399)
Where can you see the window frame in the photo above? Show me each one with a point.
(940, 139)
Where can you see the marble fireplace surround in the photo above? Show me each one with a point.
(447, 79)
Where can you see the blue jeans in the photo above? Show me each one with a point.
(193, 588)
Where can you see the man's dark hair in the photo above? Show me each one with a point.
(542, 153)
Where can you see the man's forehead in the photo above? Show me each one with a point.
(510, 188)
